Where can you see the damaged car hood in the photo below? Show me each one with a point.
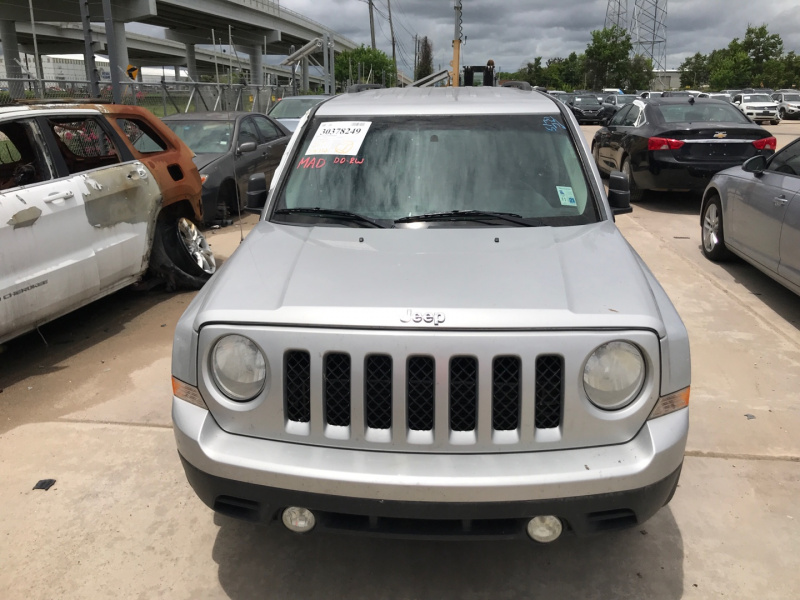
(445, 278)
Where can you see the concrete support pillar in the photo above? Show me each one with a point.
(304, 73)
(177, 71)
(256, 70)
(191, 62)
(8, 34)
(122, 48)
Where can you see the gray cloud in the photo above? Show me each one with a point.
(513, 32)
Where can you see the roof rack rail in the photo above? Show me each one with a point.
(363, 87)
(62, 101)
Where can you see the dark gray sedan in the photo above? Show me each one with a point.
(229, 148)
(753, 211)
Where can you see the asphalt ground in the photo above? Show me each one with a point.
(90, 408)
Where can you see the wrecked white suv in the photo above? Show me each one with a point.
(91, 196)
(435, 330)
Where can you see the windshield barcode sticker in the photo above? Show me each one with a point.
(339, 137)
(566, 196)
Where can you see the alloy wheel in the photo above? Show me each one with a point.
(196, 245)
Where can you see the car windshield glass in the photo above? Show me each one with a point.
(625, 99)
(388, 168)
(204, 137)
(293, 108)
(756, 98)
(791, 98)
(586, 100)
(715, 112)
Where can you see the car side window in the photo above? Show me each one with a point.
(268, 131)
(83, 143)
(631, 116)
(247, 132)
(619, 118)
(787, 161)
(23, 158)
(737, 98)
(142, 136)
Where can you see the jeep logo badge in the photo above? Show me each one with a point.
(412, 316)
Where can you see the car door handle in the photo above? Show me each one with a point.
(52, 197)
(780, 200)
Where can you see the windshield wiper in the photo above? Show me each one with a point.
(342, 215)
(471, 215)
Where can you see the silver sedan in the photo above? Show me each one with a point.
(753, 211)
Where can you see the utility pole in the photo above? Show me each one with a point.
(372, 24)
(416, 55)
(394, 55)
(456, 45)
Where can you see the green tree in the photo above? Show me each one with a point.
(425, 61)
(761, 46)
(730, 67)
(607, 60)
(533, 72)
(640, 73)
(374, 65)
(694, 71)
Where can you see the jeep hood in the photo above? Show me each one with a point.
(465, 278)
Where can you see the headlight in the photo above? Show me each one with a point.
(614, 375)
(238, 367)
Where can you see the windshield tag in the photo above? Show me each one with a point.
(566, 196)
(339, 137)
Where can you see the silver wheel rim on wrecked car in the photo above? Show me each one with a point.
(197, 246)
(711, 228)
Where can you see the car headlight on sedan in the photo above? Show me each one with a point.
(239, 368)
(614, 375)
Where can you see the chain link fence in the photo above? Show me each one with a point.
(162, 99)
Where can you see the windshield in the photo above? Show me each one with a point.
(293, 108)
(715, 112)
(390, 168)
(756, 98)
(586, 100)
(625, 99)
(791, 98)
(204, 137)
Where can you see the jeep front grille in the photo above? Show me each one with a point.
(420, 391)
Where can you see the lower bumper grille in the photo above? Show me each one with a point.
(419, 376)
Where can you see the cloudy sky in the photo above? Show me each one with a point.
(513, 32)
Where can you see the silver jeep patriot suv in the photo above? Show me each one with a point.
(435, 330)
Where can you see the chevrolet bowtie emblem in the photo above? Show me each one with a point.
(720, 134)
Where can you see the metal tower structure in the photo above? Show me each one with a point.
(617, 14)
(649, 32)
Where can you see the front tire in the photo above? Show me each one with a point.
(181, 255)
(712, 231)
(782, 113)
(775, 122)
(637, 193)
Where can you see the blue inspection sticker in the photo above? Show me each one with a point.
(566, 196)
(551, 125)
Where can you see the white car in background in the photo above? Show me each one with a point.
(759, 107)
(288, 111)
(788, 104)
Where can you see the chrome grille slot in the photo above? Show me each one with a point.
(378, 391)
(463, 393)
(297, 386)
(337, 389)
(420, 385)
(549, 391)
(506, 376)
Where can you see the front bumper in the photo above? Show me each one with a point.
(590, 488)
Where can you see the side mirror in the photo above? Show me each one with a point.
(755, 165)
(256, 193)
(246, 147)
(619, 193)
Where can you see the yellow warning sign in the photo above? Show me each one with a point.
(133, 72)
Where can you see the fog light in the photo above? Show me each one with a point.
(299, 520)
(545, 529)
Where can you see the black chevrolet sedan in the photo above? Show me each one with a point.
(229, 148)
(677, 144)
